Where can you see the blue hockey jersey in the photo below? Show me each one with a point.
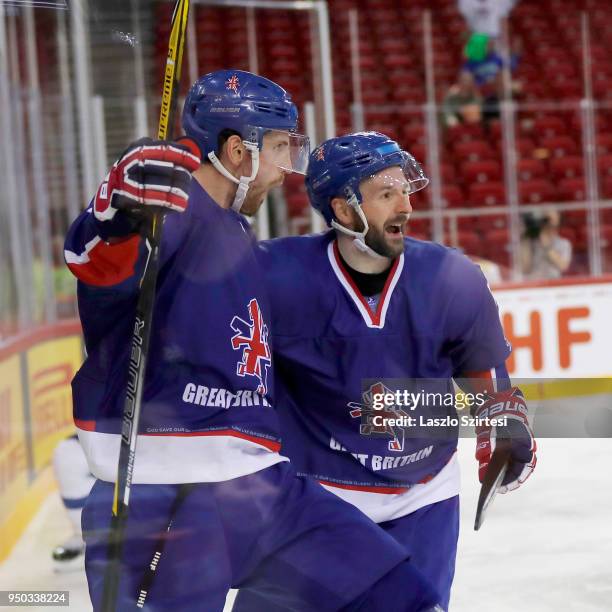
(207, 402)
(434, 320)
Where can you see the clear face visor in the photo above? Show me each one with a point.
(286, 150)
(414, 174)
(407, 179)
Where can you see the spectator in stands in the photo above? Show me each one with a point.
(487, 67)
(462, 103)
(544, 253)
(485, 16)
(482, 60)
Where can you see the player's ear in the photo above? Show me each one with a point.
(233, 151)
(341, 210)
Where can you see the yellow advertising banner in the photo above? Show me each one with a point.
(13, 443)
(51, 366)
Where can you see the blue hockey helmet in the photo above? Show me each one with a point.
(251, 106)
(339, 165)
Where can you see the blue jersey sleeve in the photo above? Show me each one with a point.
(108, 263)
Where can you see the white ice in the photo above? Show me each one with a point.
(545, 547)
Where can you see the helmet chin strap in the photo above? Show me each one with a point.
(244, 181)
(358, 237)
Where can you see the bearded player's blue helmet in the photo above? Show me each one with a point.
(338, 166)
(251, 106)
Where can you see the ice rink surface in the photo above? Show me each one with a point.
(546, 547)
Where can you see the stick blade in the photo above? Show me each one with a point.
(492, 480)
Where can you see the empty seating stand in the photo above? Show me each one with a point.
(550, 165)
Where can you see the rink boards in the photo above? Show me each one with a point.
(560, 332)
(35, 414)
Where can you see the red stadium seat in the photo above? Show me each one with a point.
(536, 191)
(606, 186)
(413, 134)
(470, 243)
(487, 223)
(481, 171)
(572, 190)
(602, 87)
(402, 77)
(467, 223)
(388, 129)
(281, 51)
(407, 93)
(574, 218)
(581, 241)
(548, 127)
(419, 226)
(374, 97)
(496, 246)
(397, 60)
(297, 203)
(560, 146)
(567, 167)
(568, 90)
(375, 115)
(447, 171)
(452, 196)
(606, 244)
(464, 133)
(420, 200)
(419, 152)
(604, 143)
(473, 151)
(524, 147)
(393, 45)
(487, 194)
(560, 71)
(285, 65)
(569, 233)
(528, 169)
(495, 129)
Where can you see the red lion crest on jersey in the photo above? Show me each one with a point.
(252, 339)
(366, 412)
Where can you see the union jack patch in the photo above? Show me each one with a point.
(320, 154)
(251, 338)
(233, 83)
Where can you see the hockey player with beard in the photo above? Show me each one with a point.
(208, 416)
(361, 306)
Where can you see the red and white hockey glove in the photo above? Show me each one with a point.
(509, 405)
(154, 173)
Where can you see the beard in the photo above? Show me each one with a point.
(376, 240)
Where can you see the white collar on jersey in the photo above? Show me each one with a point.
(375, 319)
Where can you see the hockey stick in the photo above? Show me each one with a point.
(493, 478)
(149, 574)
(142, 325)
